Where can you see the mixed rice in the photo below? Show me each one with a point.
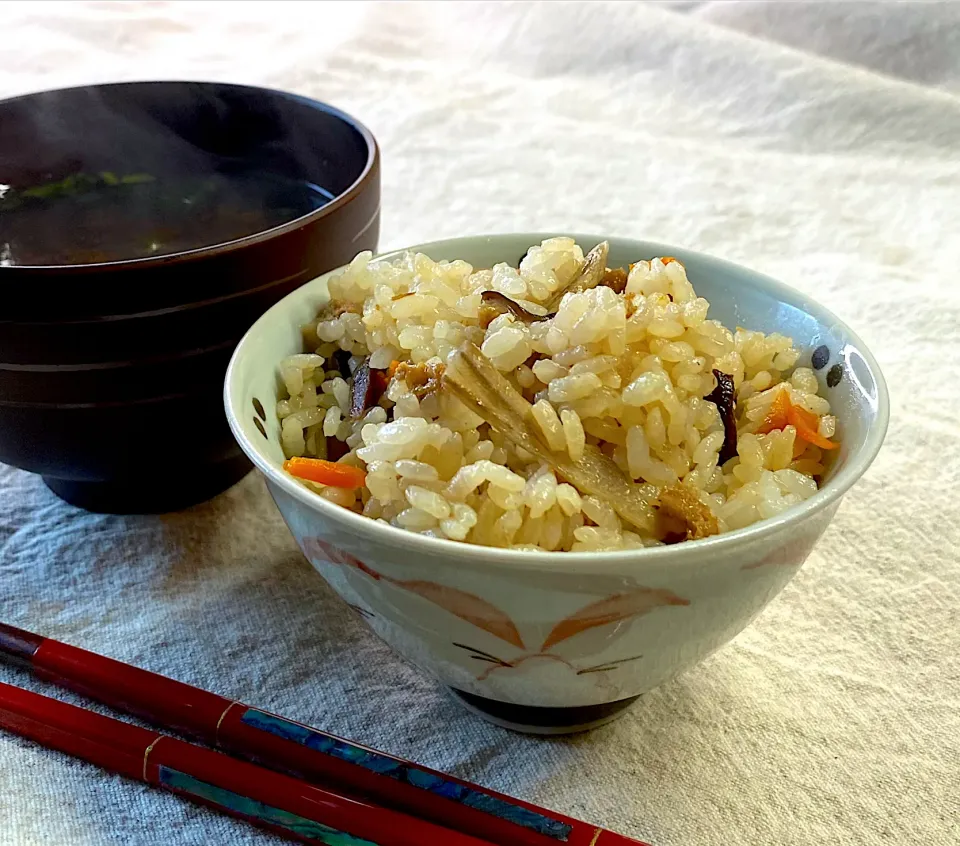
(558, 405)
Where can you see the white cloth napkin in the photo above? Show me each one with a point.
(814, 142)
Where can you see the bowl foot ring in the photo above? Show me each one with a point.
(532, 719)
(150, 497)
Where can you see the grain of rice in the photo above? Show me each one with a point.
(429, 501)
(828, 426)
(550, 424)
(507, 500)
(416, 471)
(570, 388)
(647, 388)
(574, 436)
(415, 519)
(458, 526)
(331, 421)
(568, 499)
(600, 512)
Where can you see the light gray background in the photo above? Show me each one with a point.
(818, 143)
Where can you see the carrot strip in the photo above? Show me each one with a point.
(393, 368)
(777, 415)
(805, 418)
(329, 473)
(807, 423)
(782, 413)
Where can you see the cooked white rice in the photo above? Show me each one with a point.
(626, 372)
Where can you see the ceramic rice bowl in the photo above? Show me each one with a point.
(552, 642)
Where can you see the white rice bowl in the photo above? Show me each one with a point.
(625, 373)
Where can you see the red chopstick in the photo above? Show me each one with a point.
(268, 799)
(299, 750)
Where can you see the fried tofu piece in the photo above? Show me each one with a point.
(421, 379)
(682, 516)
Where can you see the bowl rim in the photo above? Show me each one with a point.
(689, 552)
(211, 250)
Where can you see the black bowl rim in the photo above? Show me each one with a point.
(224, 246)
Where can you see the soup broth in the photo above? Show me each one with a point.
(91, 218)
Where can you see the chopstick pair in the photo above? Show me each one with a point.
(304, 783)
(277, 802)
